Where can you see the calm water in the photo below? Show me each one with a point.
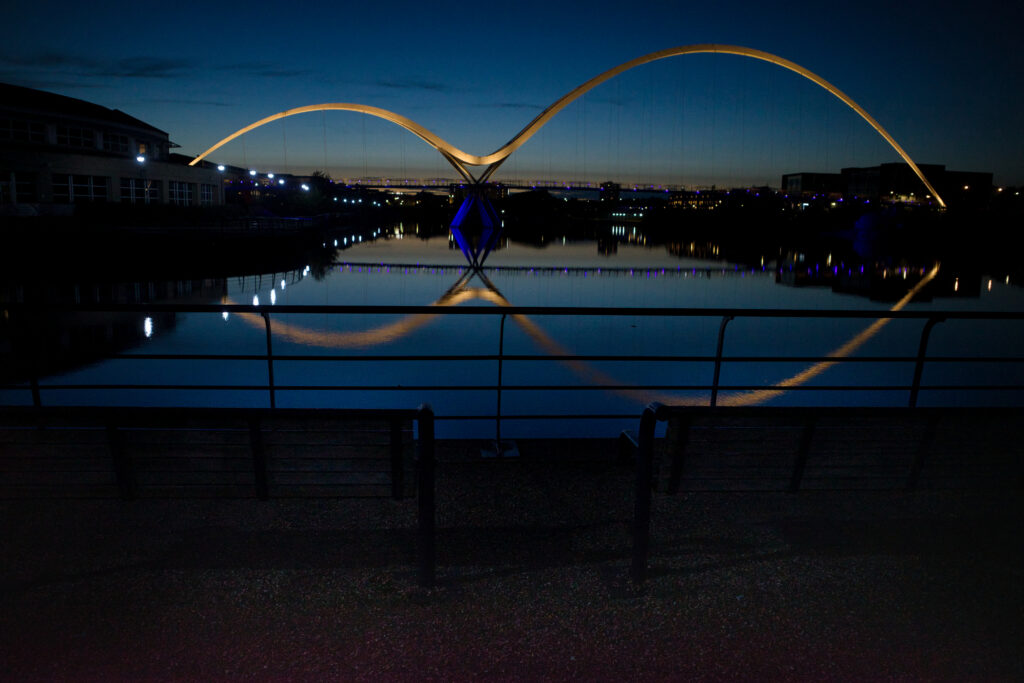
(421, 272)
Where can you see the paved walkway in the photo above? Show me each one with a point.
(533, 557)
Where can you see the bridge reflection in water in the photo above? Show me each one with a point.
(460, 292)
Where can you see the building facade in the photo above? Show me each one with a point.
(895, 183)
(58, 151)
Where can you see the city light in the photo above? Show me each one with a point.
(141, 159)
(305, 187)
(220, 168)
(270, 175)
(147, 327)
(252, 173)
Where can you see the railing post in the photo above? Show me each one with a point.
(426, 514)
(270, 358)
(397, 463)
(919, 364)
(123, 470)
(33, 339)
(497, 416)
(718, 359)
(642, 493)
(260, 466)
(800, 462)
(37, 400)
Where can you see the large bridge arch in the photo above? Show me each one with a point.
(460, 159)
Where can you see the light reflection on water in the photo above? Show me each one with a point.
(420, 272)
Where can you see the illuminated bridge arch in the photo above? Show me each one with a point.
(460, 159)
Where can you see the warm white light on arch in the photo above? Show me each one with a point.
(460, 160)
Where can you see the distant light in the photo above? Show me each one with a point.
(147, 327)
(220, 167)
(280, 181)
(305, 187)
(141, 158)
(273, 297)
(966, 187)
(256, 300)
(270, 175)
(225, 315)
(283, 284)
(252, 173)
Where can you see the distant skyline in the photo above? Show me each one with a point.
(945, 81)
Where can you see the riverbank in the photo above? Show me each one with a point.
(533, 556)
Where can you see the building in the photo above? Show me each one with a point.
(895, 183)
(826, 184)
(57, 150)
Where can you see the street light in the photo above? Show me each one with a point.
(220, 168)
(141, 159)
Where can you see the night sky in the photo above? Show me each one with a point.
(945, 81)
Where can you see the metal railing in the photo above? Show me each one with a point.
(24, 318)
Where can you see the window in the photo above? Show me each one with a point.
(140, 191)
(179, 193)
(17, 187)
(206, 194)
(76, 137)
(71, 189)
(115, 143)
(22, 131)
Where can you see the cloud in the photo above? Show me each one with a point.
(50, 64)
(146, 67)
(413, 85)
(263, 70)
(207, 103)
(513, 105)
(43, 82)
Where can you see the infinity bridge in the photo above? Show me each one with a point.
(461, 160)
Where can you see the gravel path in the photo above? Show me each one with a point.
(533, 557)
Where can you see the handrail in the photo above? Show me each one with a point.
(654, 311)
(31, 314)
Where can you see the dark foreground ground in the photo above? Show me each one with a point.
(533, 557)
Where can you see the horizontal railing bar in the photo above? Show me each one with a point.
(523, 387)
(578, 357)
(520, 310)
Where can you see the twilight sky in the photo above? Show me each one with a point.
(945, 80)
